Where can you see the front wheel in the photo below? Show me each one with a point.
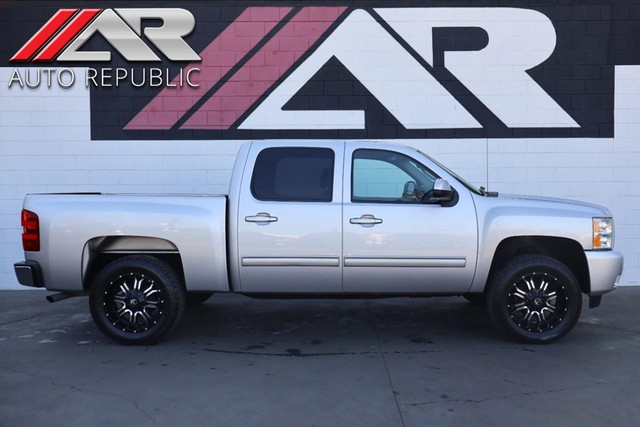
(535, 299)
(136, 300)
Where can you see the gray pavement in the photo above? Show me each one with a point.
(236, 361)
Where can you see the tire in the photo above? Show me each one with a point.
(476, 299)
(194, 299)
(534, 299)
(136, 300)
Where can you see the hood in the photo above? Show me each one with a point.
(555, 202)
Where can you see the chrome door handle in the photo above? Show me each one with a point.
(261, 218)
(366, 220)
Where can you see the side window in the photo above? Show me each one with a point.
(293, 174)
(388, 177)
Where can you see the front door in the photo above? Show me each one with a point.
(290, 219)
(395, 240)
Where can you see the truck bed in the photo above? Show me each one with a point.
(78, 227)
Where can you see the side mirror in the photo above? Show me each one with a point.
(409, 191)
(442, 191)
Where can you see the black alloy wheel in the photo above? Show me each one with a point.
(535, 299)
(137, 300)
(537, 302)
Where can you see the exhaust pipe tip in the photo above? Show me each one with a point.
(59, 297)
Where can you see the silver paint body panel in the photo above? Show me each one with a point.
(194, 225)
(311, 247)
(508, 216)
(416, 248)
(605, 269)
(308, 230)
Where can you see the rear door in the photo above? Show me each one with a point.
(290, 219)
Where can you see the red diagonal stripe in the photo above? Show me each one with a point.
(54, 47)
(220, 56)
(43, 35)
(265, 68)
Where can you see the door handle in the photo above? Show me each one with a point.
(366, 220)
(261, 218)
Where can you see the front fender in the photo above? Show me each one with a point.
(500, 220)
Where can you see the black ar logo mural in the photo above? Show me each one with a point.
(377, 72)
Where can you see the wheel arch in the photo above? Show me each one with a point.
(103, 250)
(567, 251)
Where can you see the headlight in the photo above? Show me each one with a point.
(602, 233)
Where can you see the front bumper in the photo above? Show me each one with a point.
(29, 273)
(605, 269)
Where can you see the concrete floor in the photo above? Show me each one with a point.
(235, 361)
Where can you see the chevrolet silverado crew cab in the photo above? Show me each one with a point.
(322, 219)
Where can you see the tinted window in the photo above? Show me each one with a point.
(285, 174)
(389, 177)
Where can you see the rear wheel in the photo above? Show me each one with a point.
(136, 300)
(535, 299)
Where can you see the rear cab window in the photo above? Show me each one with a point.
(302, 174)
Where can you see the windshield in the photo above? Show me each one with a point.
(462, 181)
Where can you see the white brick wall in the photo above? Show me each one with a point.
(45, 147)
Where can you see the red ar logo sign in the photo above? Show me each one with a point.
(66, 32)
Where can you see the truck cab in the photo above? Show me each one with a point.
(354, 218)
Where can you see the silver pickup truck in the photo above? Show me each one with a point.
(322, 219)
